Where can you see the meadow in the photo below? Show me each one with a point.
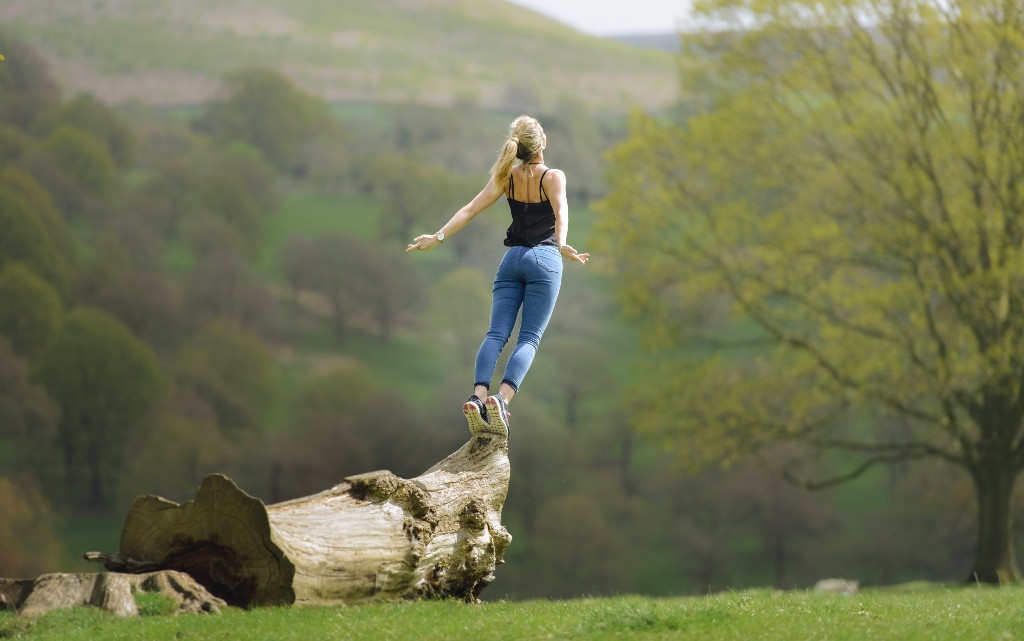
(910, 612)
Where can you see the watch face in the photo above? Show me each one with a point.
(440, 236)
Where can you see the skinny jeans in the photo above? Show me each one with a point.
(528, 278)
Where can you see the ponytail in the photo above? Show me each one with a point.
(524, 141)
(502, 167)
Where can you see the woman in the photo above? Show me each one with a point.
(529, 274)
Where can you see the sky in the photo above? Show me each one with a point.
(615, 17)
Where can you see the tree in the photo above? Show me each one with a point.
(30, 310)
(76, 170)
(240, 190)
(105, 381)
(14, 145)
(28, 417)
(172, 454)
(28, 537)
(334, 268)
(229, 368)
(38, 201)
(459, 311)
(263, 107)
(374, 536)
(389, 289)
(83, 158)
(88, 114)
(413, 192)
(145, 300)
(221, 286)
(26, 86)
(829, 252)
(328, 432)
(26, 240)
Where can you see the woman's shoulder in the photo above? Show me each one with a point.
(553, 176)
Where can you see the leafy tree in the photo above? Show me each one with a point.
(413, 192)
(343, 422)
(39, 203)
(580, 547)
(169, 193)
(460, 307)
(83, 158)
(334, 266)
(29, 545)
(105, 381)
(145, 300)
(389, 289)
(26, 240)
(86, 113)
(240, 191)
(842, 225)
(30, 310)
(26, 86)
(28, 417)
(221, 286)
(173, 456)
(230, 368)
(263, 107)
(14, 145)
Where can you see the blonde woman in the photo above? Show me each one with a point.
(530, 273)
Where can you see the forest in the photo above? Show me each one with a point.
(223, 288)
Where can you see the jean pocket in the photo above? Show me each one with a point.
(549, 260)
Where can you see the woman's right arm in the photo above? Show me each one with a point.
(487, 197)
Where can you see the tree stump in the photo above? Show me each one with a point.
(374, 536)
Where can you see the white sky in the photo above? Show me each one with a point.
(615, 17)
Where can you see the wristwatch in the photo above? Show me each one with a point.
(439, 236)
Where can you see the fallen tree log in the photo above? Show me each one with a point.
(374, 536)
(116, 593)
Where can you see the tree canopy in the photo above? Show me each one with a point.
(105, 380)
(828, 252)
(30, 310)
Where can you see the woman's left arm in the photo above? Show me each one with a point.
(555, 187)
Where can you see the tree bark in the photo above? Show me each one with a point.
(374, 536)
(995, 559)
(115, 593)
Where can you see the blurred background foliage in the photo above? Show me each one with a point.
(220, 285)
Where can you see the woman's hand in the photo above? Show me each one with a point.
(423, 243)
(567, 251)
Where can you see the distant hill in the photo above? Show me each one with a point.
(174, 52)
(663, 41)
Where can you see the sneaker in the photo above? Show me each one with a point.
(497, 410)
(476, 415)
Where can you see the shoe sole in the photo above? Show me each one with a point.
(477, 424)
(497, 416)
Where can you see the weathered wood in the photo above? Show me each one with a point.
(374, 536)
(112, 592)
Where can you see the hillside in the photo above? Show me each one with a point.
(433, 51)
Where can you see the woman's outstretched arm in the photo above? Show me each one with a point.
(487, 197)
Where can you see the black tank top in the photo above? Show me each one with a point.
(533, 224)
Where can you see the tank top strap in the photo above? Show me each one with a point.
(543, 194)
(511, 185)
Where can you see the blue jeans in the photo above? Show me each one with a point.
(527, 278)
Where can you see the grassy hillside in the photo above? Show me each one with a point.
(434, 51)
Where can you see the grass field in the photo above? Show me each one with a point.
(907, 613)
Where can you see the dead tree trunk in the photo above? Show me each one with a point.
(374, 536)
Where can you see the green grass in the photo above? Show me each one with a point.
(911, 613)
(310, 214)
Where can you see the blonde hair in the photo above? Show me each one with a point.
(524, 140)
